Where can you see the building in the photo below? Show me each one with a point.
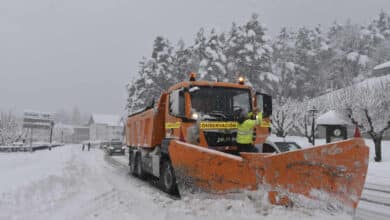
(105, 127)
(80, 134)
(334, 126)
(65, 133)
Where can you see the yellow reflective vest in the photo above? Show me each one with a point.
(245, 129)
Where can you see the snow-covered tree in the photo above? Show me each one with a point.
(183, 62)
(142, 89)
(381, 25)
(299, 64)
(253, 53)
(9, 128)
(284, 115)
(155, 75)
(368, 107)
(304, 121)
(213, 65)
(283, 65)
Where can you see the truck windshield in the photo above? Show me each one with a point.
(220, 101)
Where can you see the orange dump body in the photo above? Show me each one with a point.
(334, 171)
(146, 129)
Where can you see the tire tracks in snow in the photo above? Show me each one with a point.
(123, 196)
(374, 202)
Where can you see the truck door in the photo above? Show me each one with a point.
(264, 104)
(176, 113)
(177, 103)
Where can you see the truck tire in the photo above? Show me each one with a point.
(132, 163)
(138, 167)
(168, 178)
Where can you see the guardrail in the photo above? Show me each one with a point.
(28, 148)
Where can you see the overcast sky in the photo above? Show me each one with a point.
(63, 53)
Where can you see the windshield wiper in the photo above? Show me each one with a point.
(220, 114)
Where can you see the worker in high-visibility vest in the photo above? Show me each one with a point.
(245, 127)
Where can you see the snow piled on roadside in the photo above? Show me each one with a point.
(244, 205)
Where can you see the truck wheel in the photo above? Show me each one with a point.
(132, 163)
(168, 178)
(138, 167)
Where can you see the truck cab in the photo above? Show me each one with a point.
(199, 113)
(205, 113)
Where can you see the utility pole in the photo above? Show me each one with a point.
(51, 131)
(31, 136)
(313, 112)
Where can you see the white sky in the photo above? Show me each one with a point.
(64, 53)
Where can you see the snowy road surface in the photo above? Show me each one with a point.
(66, 183)
(375, 202)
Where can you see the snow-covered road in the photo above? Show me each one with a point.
(374, 203)
(67, 183)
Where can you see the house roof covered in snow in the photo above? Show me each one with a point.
(110, 120)
(332, 118)
(382, 66)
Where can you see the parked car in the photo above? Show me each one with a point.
(115, 148)
(279, 147)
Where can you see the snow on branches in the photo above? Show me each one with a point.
(368, 107)
(284, 115)
(9, 128)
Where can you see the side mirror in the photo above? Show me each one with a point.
(264, 104)
(150, 104)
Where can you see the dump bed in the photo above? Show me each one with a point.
(146, 129)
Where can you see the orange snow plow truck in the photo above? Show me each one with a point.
(187, 140)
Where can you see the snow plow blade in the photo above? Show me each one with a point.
(329, 173)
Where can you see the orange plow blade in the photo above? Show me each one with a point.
(333, 171)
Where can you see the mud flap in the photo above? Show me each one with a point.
(331, 172)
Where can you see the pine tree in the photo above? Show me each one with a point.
(213, 64)
(183, 62)
(282, 63)
(155, 76)
(252, 55)
(299, 65)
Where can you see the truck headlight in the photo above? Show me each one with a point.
(195, 116)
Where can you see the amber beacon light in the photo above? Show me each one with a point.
(192, 76)
(241, 80)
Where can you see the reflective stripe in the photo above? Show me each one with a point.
(170, 125)
(240, 132)
(218, 125)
